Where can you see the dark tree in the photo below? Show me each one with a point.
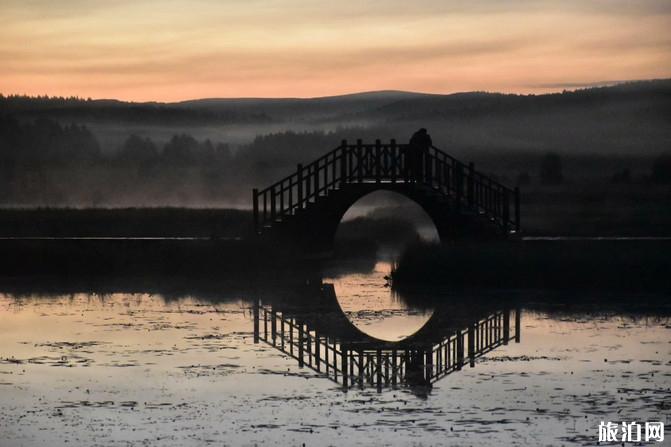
(181, 150)
(222, 153)
(138, 150)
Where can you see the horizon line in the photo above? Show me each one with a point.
(560, 87)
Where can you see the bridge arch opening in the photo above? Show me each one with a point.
(388, 219)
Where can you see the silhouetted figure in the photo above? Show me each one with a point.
(419, 146)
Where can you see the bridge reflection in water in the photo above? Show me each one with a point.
(319, 336)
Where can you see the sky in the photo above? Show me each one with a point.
(170, 50)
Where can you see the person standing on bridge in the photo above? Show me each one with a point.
(417, 155)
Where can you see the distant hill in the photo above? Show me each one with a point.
(222, 110)
(390, 105)
(649, 96)
(381, 95)
(652, 97)
(70, 151)
(305, 109)
(630, 117)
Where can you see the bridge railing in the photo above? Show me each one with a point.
(470, 188)
(387, 163)
(351, 365)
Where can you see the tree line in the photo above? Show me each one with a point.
(44, 162)
(88, 109)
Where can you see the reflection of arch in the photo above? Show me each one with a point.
(313, 330)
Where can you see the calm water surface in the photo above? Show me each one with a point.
(117, 369)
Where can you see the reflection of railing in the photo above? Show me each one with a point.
(382, 364)
(387, 163)
(321, 353)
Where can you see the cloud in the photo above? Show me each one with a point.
(319, 47)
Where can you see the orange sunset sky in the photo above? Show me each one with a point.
(172, 50)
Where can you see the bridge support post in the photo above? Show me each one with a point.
(343, 163)
(405, 163)
(506, 326)
(378, 370)
(273, 209)
(317, 352)
(282, 332)
(359, 160)
(378, 153)
(394, 165)
(394, 368)
(326, 355)
(459, 183)
(301, 341)
(471, 184)
(517, 210)
(255, 310)
(273, 326)
(471, 345)
(506, 210)
(518, 324)
(428, 364)
(343, 363)
(255, 201)
(460, 350)
(489, 195)
(299, 185)
(362, 368)
(427, 169)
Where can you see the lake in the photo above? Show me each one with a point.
(336, 358)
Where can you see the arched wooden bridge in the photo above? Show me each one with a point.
(306, 207)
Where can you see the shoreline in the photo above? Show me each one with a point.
(594, 264)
